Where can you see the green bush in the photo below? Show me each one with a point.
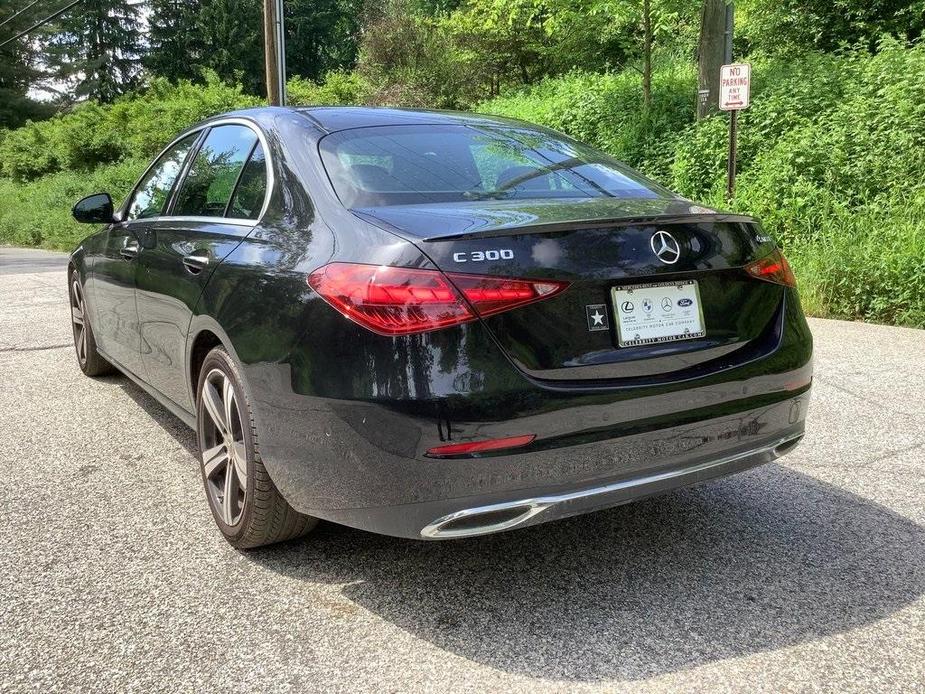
(834, 168)
(606, 111)
(339, 87)
(39, 213)
(136, 126)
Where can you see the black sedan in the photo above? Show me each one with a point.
(435, 325)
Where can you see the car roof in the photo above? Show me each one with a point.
(333, 118)
(329, 119)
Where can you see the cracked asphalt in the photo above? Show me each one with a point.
(804, 575)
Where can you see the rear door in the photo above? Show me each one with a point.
(116, 323)
(214, 208)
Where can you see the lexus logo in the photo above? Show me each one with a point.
(666, 247)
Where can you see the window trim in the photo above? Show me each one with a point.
(202, 130)
(194, 147)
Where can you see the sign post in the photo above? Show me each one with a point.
(734, 95)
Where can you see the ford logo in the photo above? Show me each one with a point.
(684, 302)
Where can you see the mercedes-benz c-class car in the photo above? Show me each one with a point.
(435, 325)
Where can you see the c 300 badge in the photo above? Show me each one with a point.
(482, 256)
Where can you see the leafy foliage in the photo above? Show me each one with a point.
(783, 25)
(54, 195)
(136, 126)
(604, 110)
(834, 168)
(96, 49)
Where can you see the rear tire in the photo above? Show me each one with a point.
(246, 505)
(91, 362)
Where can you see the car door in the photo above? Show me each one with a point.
(116, 326)
(214, 208)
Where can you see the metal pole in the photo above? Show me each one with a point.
(733, 115)
(281, 51)
(731, 162)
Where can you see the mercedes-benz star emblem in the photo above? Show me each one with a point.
(666, 247)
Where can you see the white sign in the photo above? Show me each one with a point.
(734, 86)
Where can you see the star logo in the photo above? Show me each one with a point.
(597, 317)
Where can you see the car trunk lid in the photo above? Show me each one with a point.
(646, 253)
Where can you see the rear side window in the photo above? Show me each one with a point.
(415, 164)
(152, 193)
(247, 201)
(212, 178)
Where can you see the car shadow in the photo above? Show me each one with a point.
(174, 426)
(764, 560)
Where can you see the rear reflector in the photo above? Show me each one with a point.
(773, 268)
(481, 446)
(402, 301)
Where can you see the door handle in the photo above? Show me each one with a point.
(130, 248)
(196, 261)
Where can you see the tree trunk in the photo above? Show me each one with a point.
(647, 53)
(710, 55)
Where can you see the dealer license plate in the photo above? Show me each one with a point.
(651, 313)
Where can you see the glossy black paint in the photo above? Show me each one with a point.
(94, 209)
(346, 416)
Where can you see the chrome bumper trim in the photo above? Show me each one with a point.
(535, 506)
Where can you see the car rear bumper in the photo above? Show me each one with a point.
(376, 490)
(506, 515)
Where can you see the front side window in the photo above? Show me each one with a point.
(152, 193)
(212, 178)
(415, 164)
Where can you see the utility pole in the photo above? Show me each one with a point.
(274, 42)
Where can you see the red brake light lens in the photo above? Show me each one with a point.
(773, 268)
(481, 446)
(403, 301)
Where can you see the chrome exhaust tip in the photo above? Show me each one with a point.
(484, 520)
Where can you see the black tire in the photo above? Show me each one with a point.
(90, 361)
(257, 515)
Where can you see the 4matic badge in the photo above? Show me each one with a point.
(597, 317)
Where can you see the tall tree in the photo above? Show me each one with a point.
(175, 46)
(321, 36)
(232, 32)
(18, 74)
(95, 47)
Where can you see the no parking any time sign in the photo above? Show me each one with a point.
(734, 86)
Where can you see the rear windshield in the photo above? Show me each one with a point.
(415, 164)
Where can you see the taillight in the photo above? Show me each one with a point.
(773, 268)
(401, 301)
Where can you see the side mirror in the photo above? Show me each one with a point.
(95, 209)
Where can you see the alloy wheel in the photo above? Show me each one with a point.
(224, 455)
(78, 321)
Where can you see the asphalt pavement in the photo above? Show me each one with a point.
(805, 574)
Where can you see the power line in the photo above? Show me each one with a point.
(16, 14)
(42, 23)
